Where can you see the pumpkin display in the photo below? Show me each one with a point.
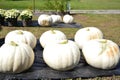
(15, 57)
(21, 36)
(56, 18)
(68, 18)
(45, 20)
(85, 34)
(101, 53)
(62, 56)
(51, 36)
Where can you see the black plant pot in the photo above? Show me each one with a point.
(12, 22)
(2, 20)
(27, 22)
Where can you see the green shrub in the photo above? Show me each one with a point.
(57, 5)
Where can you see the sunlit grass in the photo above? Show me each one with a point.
(75, 4)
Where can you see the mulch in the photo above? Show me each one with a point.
(40, 70)
(34, 23)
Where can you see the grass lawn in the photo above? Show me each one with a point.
(95, 4)
(75, 4)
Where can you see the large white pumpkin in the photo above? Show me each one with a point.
(101, 53)
(62, 56)
(45, 20)
(15, 57)
(21, 36)
(68, 18)
(85, 34)
(51, 36)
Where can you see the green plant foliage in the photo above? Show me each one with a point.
(26, 14)
(57, 5)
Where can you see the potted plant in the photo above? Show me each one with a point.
(2, 16)
(11, 17)
(26, 17)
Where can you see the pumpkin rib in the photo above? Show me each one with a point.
(17, 60)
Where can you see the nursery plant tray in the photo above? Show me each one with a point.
(40, 70)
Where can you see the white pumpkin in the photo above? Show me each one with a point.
(56, 18)
(59, 18)
(85, 34)
(45, 20)
(68, 18)
(21, 36)
(51, 36)
(62, 56)
(101, 53)
(15, 57)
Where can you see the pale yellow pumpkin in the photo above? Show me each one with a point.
(21, 36)
(68, 18)
(51, 36)
(45, 20)
(101, 53)
(64, 55)
(56, 18)
(15, 57)
(85, 34)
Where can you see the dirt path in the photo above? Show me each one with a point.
(37, 12)
(96, 11)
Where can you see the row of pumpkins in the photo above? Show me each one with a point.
(48, 20)
(59, 53)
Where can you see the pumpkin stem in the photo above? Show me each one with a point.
(87, 29)
(20, 32)
(64, 42)
(53, 32)
(103, 46)
(103, 41)
(13, 43)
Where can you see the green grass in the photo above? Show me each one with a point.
(16, 4)
(95, 4)
(75, 4)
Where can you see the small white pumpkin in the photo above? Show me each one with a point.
(59, 18)
(45, 20)
(56, 18)
(68, 18)
(21, 36)
(15, 57)
(101, 53)
(62, 56)
(85, 34)
(51, 36)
